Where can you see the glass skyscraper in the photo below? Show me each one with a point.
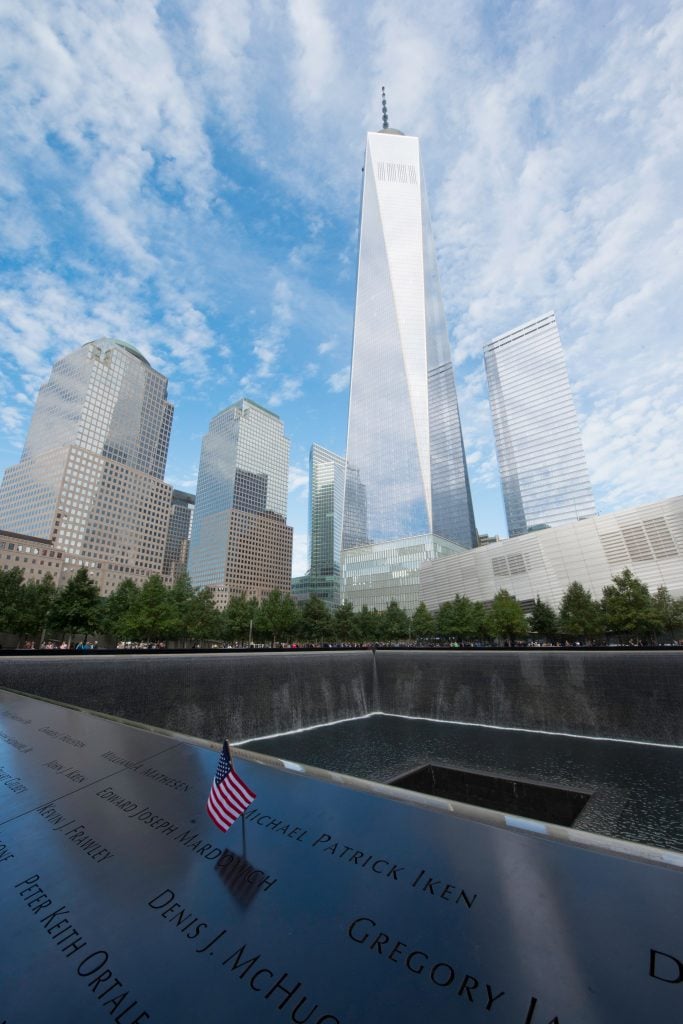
(240, 542)
(407, 471)
(178, 537)
(326, 511)
(538, 441)
(406, 475)
(91, 474)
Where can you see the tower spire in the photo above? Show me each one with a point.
(385, 116)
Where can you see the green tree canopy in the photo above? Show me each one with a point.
(316, 620)
(543, 619)
(202, 620)
(481, 621)
(37, 598)
(120, 614)
(422, 624)
(277, 617)
(627, 606)
(395, 622)
(507, 616)
(237, 619)
(667, 612)
(345, 623)
(580, 615)
(457, 618)
(11, 599)
(156, 611)
(77, 607)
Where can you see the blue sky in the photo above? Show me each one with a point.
(186, 176)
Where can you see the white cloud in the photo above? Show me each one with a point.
(158, 168)
(289, 389)
(339, 381)
(299, 553)
(298, 478)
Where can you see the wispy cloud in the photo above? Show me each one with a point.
(339, 381)
(189, 182)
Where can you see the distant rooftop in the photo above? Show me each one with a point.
(121, 344)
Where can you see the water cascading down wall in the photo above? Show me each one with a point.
(633, 695)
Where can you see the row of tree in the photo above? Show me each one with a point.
(153, 612)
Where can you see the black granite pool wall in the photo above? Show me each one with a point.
(635, 695)
(205, 695)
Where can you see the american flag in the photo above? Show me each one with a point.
(229, 796)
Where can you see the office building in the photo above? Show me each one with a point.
(37, 557)
(647, 539)
(90, 479)
(407, 475)
(326, 512)
(178, 537)
(240, 542)
(538, 441)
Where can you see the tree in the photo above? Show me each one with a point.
(542, 619)
(237, 619)
(481, 622)
(277, 616)
(422, 624)
(580, 615)
(120, 613)
(627, 605)
(37, 598)
(157, 614)
(182, 597)
(395, 622)
(667, 612)
(345, 624)
(507, 617)
(77, 607)
(316, 620)
(369, 624)
(11, 599)
(456, 618)
(202, 618)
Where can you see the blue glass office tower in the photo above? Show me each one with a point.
(241, 543)
(407, 488)
(405, 451)
(538, 440)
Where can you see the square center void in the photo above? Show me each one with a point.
(554, 804)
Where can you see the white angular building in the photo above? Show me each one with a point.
(647, 539)
(542, 463)
(406, 473)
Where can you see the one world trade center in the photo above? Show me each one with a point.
(406, 475)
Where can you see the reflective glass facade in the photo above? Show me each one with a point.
(376, 574)
(240, 540)
(538, 441)
(406, 464)
(178, 537)
(326, 511)
(91, 474)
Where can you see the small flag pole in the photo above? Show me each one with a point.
(244, 838)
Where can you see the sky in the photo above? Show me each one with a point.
(186, 176)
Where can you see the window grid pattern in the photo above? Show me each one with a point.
(406, 463)
(326, 514)
(243, 468)
(541, 459)
(91, 473)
